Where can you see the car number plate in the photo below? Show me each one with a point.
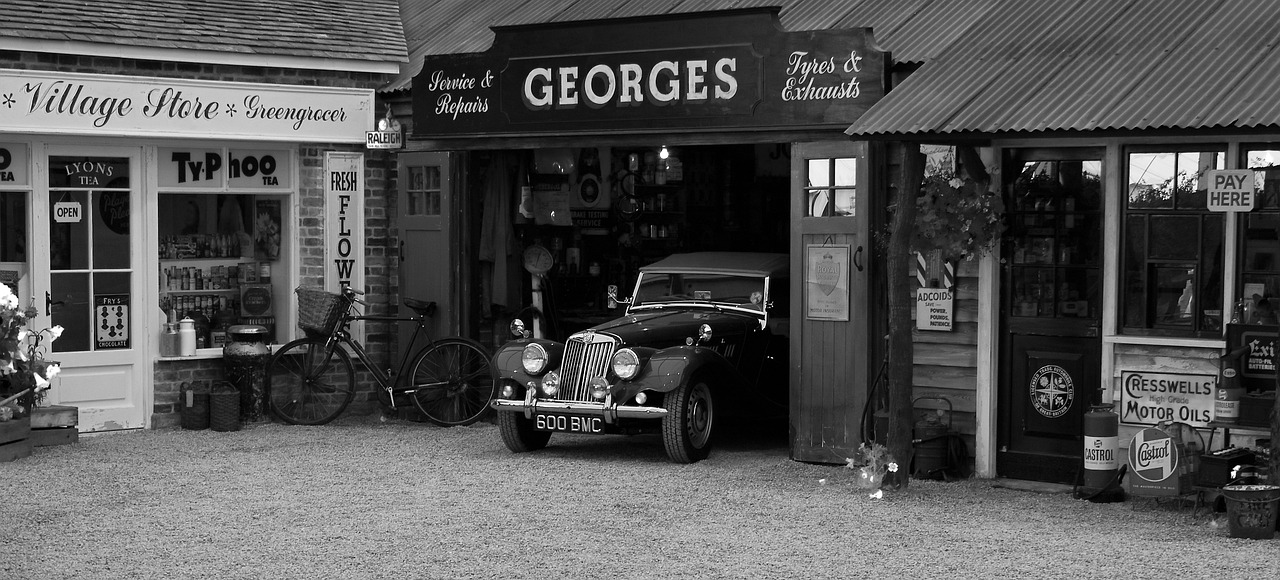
(568, 423)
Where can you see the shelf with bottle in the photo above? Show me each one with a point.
(202, 246)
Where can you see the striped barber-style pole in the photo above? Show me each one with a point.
(934, 263)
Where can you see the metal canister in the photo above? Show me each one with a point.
(245, 357)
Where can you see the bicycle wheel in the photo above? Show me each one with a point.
(308, 384)
(452, 382)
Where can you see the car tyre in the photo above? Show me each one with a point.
(518, 433)
(687, 428)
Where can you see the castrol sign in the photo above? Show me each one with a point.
(1153, 460)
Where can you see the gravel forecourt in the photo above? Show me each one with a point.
(367, 497)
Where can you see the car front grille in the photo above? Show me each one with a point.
(586, 356)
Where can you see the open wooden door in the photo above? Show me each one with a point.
(430, 266)
(830, 249)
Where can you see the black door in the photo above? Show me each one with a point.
(1052, 304)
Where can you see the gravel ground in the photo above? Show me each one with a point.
(371, 498)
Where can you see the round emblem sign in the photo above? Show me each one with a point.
(1052, 391)
(1153, 455)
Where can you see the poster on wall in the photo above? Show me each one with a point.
(1147, 398)
(826, 281)
(266, 229)
(111, 321)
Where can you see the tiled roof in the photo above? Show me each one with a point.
(912, 30)
(1094, 65)
(364, 30)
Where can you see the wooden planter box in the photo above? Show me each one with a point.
(15, 439)
(54, 425)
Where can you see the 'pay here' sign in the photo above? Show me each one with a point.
(1230, 189)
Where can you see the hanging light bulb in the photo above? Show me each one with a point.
(663, 153)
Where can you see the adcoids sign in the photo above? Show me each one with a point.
(726, 70)
(91, 104)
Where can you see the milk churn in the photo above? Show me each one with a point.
(245, 357)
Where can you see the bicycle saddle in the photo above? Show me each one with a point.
(422, 307)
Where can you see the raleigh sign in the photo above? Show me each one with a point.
(91, 104)
(716, 70)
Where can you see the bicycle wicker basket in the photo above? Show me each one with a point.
(319, 311)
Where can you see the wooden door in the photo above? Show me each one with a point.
(88, 275)
(1050, 316)
(429, 250)
(830, 249)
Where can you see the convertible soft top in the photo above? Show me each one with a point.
(735, 263)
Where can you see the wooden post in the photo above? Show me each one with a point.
(900, 371)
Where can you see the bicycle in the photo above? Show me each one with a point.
(311, 380)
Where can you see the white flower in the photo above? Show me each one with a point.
(955, 182)
(893, 467)
(41, 382)
(53, 370)
(877, 495)
(7, 368)
(55, 332)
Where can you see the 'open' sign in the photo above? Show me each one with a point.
(67, 212)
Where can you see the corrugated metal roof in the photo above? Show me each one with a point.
(435, 27)
(368, 30)
(1085, 65)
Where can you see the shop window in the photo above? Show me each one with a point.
(831, 187)
(1258, 287)
(225, 238)
(1173, 246)
(13, 238)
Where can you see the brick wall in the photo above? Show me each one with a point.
(381, 242)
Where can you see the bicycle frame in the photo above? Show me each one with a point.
(389, 379)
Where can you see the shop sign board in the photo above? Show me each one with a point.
(220, 168)
(1257, 365)
(1147, 398)
(34, 101)
(935, 308)
(827, 283)
(13, 163)
(1230, 190)
(1153, 459)
(344, 221)
(383, 140)
(714, 70)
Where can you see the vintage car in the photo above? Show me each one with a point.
(702, 333)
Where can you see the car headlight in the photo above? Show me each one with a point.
(551, 384)
(626, 364)
(534, 358)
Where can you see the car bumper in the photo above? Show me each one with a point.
(607, 410)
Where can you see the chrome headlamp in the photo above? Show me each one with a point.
(534, 358)
(626, 364)
(517, 328)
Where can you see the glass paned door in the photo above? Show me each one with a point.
(91, 284)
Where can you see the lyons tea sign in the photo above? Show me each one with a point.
(714, 70)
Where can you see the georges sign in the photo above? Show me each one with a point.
(90, 104)
(718, 70)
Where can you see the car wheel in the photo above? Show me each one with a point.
(518, 433)
(686, 430)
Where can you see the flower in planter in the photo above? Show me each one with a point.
(872, 463)
(24, 370)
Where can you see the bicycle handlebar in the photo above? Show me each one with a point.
(352, 293)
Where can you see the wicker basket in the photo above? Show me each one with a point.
(319, 311)
(224, 407)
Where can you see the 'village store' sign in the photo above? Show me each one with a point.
(92, 104)
(731, 70)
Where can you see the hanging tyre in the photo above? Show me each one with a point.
(687, 428)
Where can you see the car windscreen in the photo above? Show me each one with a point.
(658, 288)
